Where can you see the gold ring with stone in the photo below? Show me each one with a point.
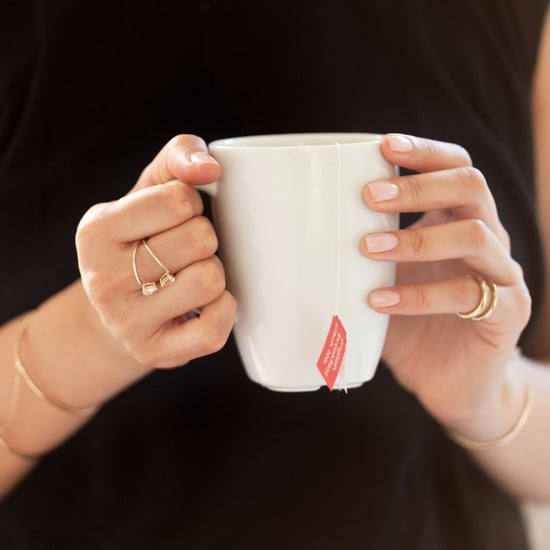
(151, 287)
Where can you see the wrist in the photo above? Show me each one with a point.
(501, 419)
(71, 354)
(62, 365)
(503, 439)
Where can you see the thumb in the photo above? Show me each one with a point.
(185, 158)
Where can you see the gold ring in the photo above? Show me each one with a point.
(149, 288)
(487, 301)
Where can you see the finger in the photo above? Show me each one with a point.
(135, 318)
(452, 296)
(184, 157)
(195, 286)
(177, 248)
(144, 213)
(423, 155)
(463, 192)
(468, 240)
(184, 340)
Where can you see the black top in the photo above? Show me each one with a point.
(200, 457)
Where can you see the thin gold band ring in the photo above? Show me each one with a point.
(487, 302)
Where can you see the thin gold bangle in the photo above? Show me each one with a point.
(503, 439)
(20, 367)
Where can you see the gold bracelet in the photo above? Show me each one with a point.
(20, 367)
(5, 445)
(503, 439)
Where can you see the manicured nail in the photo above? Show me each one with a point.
(200, 157)
(384, 298)
(380, 242)
(399, 143)
(383, 191)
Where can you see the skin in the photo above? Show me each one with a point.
(468, 378)
(153, 330)
(456, 377)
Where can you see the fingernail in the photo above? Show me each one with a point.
(380, 242)
(399, 143)
(200, 157)
(383, 191)
(384, 298)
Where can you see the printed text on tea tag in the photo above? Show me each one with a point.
(331, 357)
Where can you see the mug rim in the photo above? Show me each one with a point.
(295, 140)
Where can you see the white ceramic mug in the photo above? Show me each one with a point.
(289, 217)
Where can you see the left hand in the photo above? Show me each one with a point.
(455, 367)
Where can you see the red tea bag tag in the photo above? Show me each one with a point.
(331, 357)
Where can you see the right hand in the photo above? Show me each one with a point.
(165, 209)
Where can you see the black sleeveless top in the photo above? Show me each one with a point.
(200, 457)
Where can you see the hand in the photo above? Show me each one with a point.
(456, 367)
(165, 209)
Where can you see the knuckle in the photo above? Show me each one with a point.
(412, 187)
(430, 149)
(210, 280)
(525, 303)
(518, 271)
(204, 241)
(231, 306)
(219, 339)
(466, 293)
(214, 339)
(478, 233)
(417, 240)
(505, 238)
(474, 178)
(420, 297)
(213, 336)
(524, 299)
(90, 225)
(177, 201)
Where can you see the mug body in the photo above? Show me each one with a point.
(289, 217)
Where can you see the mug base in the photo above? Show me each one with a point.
(298, 389)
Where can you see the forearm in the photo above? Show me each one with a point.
(72, 358)
(522, 466)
